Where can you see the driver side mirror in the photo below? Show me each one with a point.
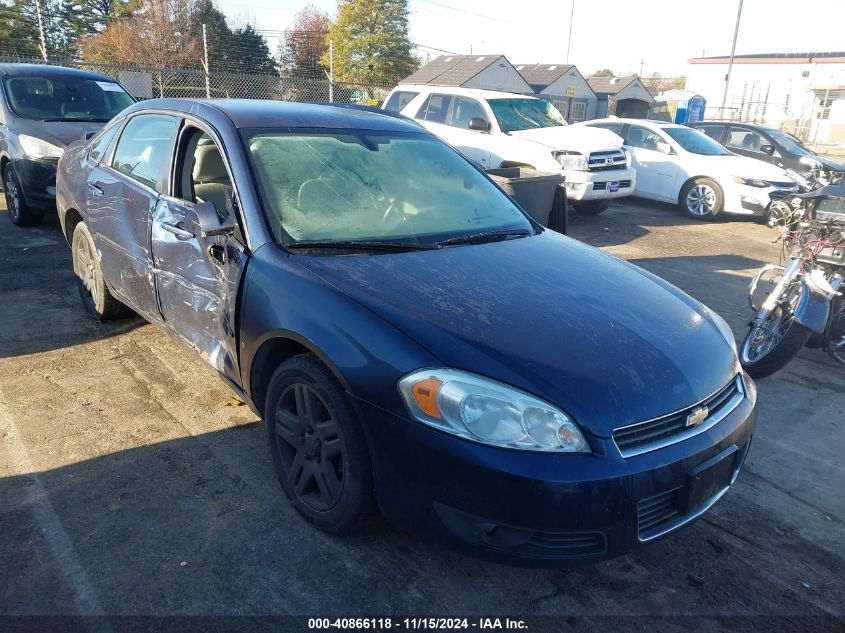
(768, 149)
(89, 135)
(663, 147)
(209, 220)
(478, 124)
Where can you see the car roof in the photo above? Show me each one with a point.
(47, 71)
(454, 90)
(259, 113)
(663, 125)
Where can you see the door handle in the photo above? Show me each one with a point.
(180, 233)
(97, 190)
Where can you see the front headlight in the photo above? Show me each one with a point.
(36, 148)
(752, 182)
(486, 411)
(724, 329)
(572, 161)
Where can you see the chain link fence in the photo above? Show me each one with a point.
(144, 82)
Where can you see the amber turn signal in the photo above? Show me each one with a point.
(425, 394)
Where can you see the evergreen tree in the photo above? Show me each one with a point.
(371, 44)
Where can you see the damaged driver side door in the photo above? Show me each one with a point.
(198, 253)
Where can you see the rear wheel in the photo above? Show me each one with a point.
(318, 446)
(702, 199)
(96, 298)
(16, 208)
(594, 207)
(770, 345)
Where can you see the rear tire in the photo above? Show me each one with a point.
(98, 301)
(702, 199)
(319, 451)
(593, 207)
(791, 337)
(16, 207)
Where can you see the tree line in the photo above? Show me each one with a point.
(369, 38)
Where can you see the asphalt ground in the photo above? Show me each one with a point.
(133, 484)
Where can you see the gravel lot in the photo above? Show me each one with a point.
(132, 483)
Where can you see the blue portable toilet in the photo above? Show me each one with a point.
(678, 106)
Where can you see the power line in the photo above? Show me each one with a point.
(472, 13)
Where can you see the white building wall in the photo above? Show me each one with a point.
(573, 79)
(775, 94)
(500, 75)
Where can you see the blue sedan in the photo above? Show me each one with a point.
(413, 341)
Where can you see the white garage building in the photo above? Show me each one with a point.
(803, 93)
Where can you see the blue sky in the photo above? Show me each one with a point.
(618, 34)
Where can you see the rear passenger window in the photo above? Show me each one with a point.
(713, 131)
(102, 142)
(398, 100)
(144, 149)
(435, 108)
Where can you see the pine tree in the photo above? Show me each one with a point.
(371, 43)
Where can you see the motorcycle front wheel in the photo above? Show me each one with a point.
(770, 345)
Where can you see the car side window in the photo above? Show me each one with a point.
(713, 131)
(616, 128)
(102, 142)
(399, 99)
(435, 108)
(745, 138)
(144, 149)
(464, 110)
(643, 138)
(203, 176)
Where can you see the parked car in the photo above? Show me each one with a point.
(771, 145)
(681, 165)
(42, 110)
(500, 129)
(409, 336)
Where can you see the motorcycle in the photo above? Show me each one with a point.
(802, 304)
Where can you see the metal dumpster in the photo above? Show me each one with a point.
(533, 190)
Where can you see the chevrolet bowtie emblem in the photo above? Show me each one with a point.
(697, 416)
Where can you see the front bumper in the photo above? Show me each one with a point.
(600, 184)
(37, 179)
(746, 200)
(541, 508)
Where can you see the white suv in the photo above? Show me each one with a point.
(500, 129)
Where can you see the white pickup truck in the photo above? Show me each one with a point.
(500, 129)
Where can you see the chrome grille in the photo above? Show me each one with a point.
(602, 161)
(636, 439)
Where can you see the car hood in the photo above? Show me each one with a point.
(606, 341)
(830, 164)
(577, 138)
(61, 133)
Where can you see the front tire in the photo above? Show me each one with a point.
(594, 207)
(769, 346)
(702, 199)
(318, 447)
(95, 295)
(16, 207)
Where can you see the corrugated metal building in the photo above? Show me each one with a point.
(564, 86)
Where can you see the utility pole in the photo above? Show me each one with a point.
(731, 63)
(41, 30)
(205, 63)
(571, 20)
(642, 63)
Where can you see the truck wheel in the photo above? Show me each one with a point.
(593, 207)
(19, 212)
(319, 450)
(96, 298)
(701, 199)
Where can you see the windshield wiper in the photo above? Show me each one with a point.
(480, 238)
(389, 247)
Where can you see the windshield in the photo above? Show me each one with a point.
(695, 141)
(525, 114)
(790, 144)
(65, 98)
(373, 186)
